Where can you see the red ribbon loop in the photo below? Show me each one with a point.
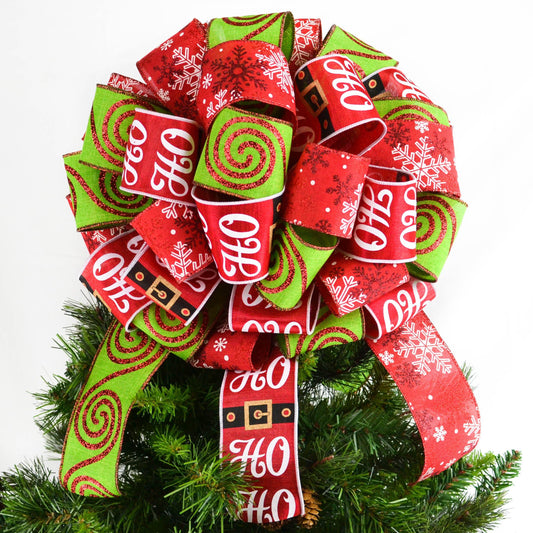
(333, 103)
(161, 156)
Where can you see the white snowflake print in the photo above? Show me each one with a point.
(190, 65)
(428, 473)
(450, 463)
(304, 36)
(183, 267)
(421, 125)
(166, 45)
(276, 69)
(426, 169)
(221, 99)
(439, 434)
(473, 429)
(386, 357)
(207, 80)
(350, 209)
(163, 95)
(342, 290)
(170, 210)
(426, 348)
(220, 344)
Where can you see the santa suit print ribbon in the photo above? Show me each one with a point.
(258, 419)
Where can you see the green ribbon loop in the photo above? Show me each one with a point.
(438, 219)
(393, 108)
(180, 339)
(330, 330)
(274, 28)
(97, 199)
(367, 58)
(121, 368)
(245, 154)
(298, 254)
(107, 134)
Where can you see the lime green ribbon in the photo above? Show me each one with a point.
(245, 155)
(438, 219)
(97, 199)
(298, 254)
(367, 58)
(107, 134)
(329, 331)
(122, 366)
(274, 28)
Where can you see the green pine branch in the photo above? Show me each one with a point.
(359, 455)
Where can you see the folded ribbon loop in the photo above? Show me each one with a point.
(245, 154)
(273, 28)
(385, 227)
(174, 233)
(390, 311)
(148, 274)
(334, 104)
(96, 198)
(347, 284)
(365, 57)
(107, 133)
(232, 350)
(161, 156)
(250, 73)
(239, 234)
(438, 220)
(392, 81)
(103, 276)
(249, 311)
(298, 255)
(173, 69)
(331, 180)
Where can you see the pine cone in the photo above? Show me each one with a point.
(312, 509)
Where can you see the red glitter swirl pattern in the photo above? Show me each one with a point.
(245, 152)
(433, 216)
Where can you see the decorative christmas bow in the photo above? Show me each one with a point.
(307, 182)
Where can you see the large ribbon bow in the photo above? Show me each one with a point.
(307, 182)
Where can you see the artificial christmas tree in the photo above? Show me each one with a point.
(359, 452)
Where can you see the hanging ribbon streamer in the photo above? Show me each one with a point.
(309, 183)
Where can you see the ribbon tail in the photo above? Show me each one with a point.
(435, 389)
(123, 365)
(258, 421)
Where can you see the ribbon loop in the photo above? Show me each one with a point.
(385, 227)
(253, 74)
(245, 154)
(173, 69)
(331, 180)
(161, 156)
(298, 255)
(336, 106)
(174, 233)
(273, 28)
(96, 198)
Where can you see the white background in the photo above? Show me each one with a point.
(472, 58)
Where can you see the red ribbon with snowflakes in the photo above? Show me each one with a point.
(314, 178)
